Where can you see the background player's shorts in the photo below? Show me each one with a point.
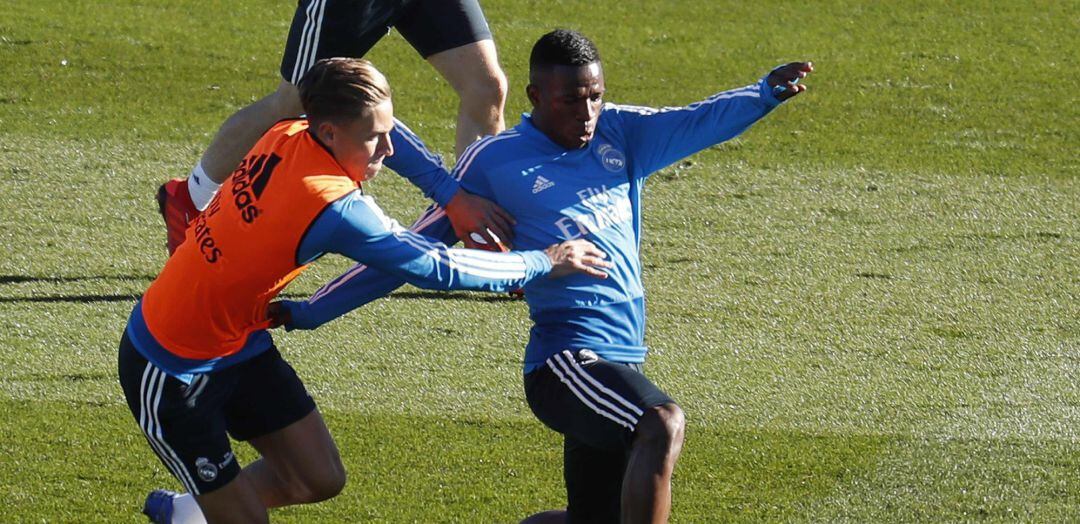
(596, 405)
(187, 425)
(349, 28)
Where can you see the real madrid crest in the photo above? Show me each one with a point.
(207, 470)
(612, 159)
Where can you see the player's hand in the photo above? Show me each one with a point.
(785, 79)
(577, 256)
(278, 315)
(471, 214)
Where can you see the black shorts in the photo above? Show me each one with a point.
(187, 426)
(349, 28)
(596, 405)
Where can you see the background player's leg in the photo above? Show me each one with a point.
(473, 71)
(240, 132)
(646, 490)
(181, 200)
(300, 464)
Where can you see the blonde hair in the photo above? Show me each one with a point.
(341, 89)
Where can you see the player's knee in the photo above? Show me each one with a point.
(323, 485)
(662, 427)
(485, 92)
(329, 484)
(285, 101)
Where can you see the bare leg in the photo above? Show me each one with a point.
(240, 132)
(473, 71)
(300, 464)
(236, 502)
(646, 492)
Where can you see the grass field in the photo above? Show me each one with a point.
(868, 305)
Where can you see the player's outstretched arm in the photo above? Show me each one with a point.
(357, 286)
(433, 265)
(356, 228)
(656, 138)
(574, 256)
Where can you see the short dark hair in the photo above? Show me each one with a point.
(562, 47)
(338, 89)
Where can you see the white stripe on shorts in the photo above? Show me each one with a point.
(315, 42)
(596, 383)
(148, 420)
(583, 391)
(309, 40)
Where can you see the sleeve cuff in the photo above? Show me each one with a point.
(295, 314)
(446, 191)
(768, 97)
(537, 262)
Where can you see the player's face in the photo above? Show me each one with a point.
(566, 103)
(361, 144)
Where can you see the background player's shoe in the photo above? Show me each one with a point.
(176, 207)
(159, 506)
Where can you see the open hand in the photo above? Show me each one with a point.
(577, 256)
(470, 214)
(785, 79)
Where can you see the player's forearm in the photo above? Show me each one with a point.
(355, 288)
(360, 284)
(662, 137)
(413, 160)
(363, 284)
(402, 255)
(730, 113)
(722, 117)
(446, 269)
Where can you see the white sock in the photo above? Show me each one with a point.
(186, 510)
(200, 187)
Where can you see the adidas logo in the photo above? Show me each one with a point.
(541, 184)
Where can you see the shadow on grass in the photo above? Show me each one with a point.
(122, 297)
(128, 297)
(88, 298)
(71, 297)
(23, 279)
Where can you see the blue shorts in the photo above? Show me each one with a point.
(188, 425)
(596, 405)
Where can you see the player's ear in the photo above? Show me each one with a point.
(326, 132)
(533, 93)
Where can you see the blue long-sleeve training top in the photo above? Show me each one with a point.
(556, 194)
(424, 169)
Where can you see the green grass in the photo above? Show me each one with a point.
(869, 305)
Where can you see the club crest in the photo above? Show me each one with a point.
(612, 159)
